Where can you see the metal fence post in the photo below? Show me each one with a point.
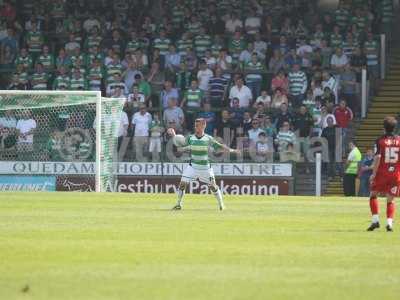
(318, 161)
(383, 56)
(363, 93)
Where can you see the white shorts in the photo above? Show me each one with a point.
(203, 175)
(155, 145)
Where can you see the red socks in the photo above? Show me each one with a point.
(390, 208)
(374, 205)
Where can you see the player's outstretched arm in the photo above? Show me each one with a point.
(225, 148)
(230, 150)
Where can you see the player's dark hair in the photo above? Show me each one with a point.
(390, 124)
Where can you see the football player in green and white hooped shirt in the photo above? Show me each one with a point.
(199, 167)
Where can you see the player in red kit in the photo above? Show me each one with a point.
(385, 178)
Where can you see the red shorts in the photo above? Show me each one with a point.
(386, 184)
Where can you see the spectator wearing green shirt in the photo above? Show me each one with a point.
(236, 45)
(144, 88)
(114, 67)
(62, 81)
(78, 55)
(93, 40)
(386, 16)
(116, 82)
(162, 43)
(78, 81)
(360, 19)
(193, 26)
(24, 59)
(336, 38)
(46, 59)
(371, 50)
(79, 65)
(191, 101)
(20, 79)
(217, 44)
(254, 69)
(202, 42)
(94, 54)
(72, 44)
(342, 15)
(95, 75)
(34, 40)
(183, 43)
(134, 42)
(317, 36)
(39, 79)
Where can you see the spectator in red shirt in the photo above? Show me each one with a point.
(280, 81)
(343, 114)
(8, 11)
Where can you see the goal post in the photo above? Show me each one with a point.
(98, 185)
(78, 127)
(110, 110)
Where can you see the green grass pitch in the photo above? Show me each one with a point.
(131, 246)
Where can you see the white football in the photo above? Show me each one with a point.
(179, 140)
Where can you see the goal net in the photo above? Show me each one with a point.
(48, 136)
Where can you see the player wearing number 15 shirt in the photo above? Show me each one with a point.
(385, 178)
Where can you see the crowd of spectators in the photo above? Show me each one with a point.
(273, 73)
